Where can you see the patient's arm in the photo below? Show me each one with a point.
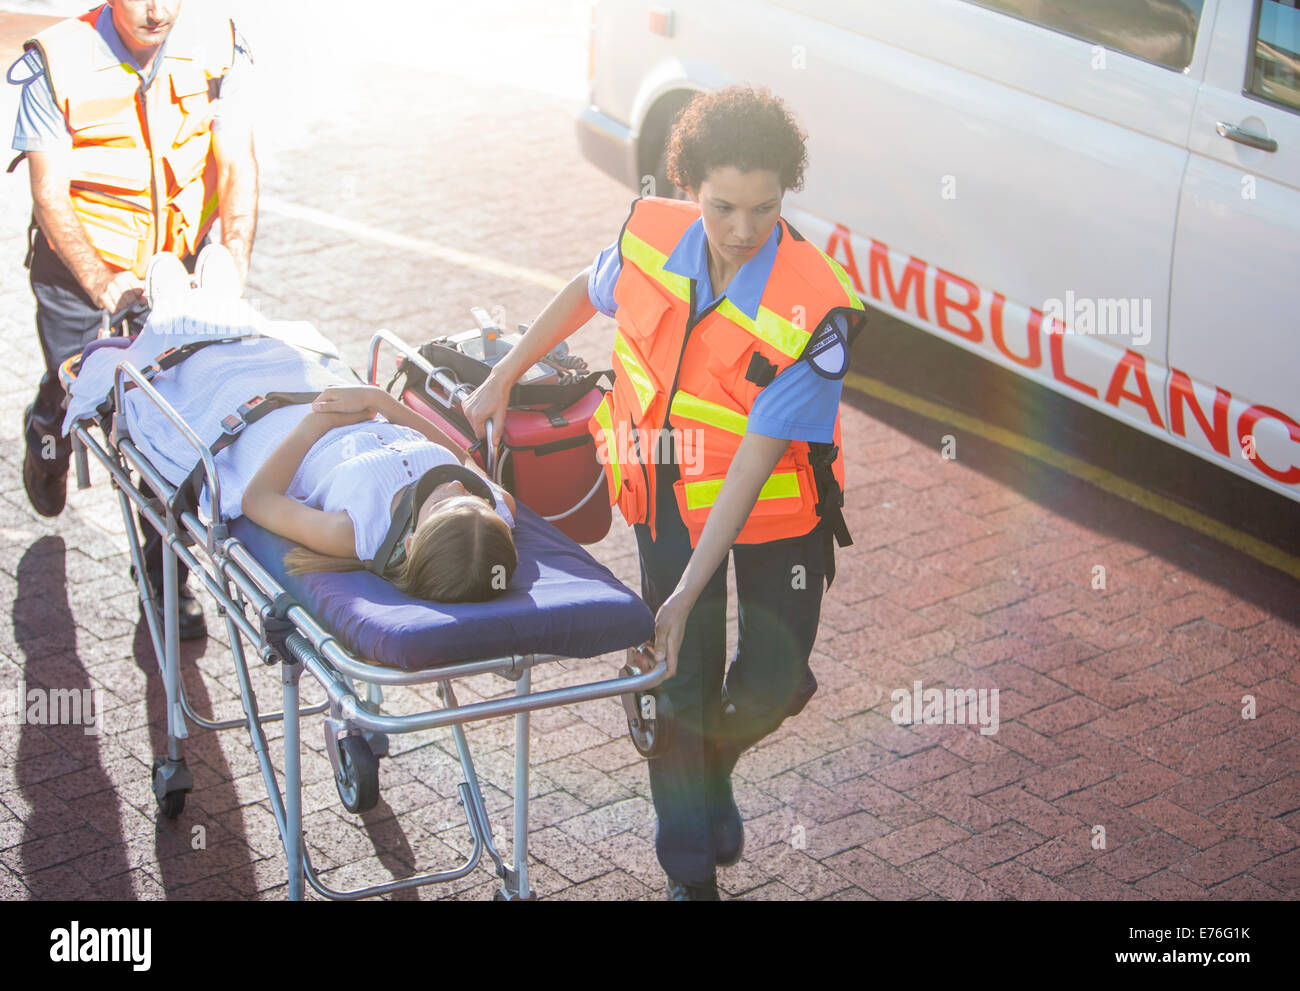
(266, 504)
(358, 398)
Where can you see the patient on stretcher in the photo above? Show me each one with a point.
(355, 478)
(342, 484)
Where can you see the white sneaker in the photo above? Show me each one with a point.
(216, 272)
(165, 279)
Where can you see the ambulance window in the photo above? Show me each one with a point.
(1275, 69)
(1159, 31)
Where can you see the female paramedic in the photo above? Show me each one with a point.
(721, 434)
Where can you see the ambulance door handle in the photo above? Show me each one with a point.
(1234, 133)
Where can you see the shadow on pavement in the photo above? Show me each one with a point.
(188, 856)
(46, 634)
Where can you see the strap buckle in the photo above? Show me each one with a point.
(824, 455)
(157, 365)
(248, 407)
(234, 424)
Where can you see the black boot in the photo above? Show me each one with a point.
(707, 892)
(47, 490)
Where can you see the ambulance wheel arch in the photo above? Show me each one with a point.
(652, 143)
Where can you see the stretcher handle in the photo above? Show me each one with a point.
(456, 390)
(121, 374)
(106, 328)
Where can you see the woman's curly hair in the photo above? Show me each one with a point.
(740, 126)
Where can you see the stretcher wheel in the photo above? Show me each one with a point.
(172, 805)
(172, 781)
(649, 720)
(501, 896)
(358, 776)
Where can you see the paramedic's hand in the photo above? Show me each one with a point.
(115, 291)
(487, 404)
(670, 628)
(367, 399)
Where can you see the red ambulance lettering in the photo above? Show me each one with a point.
(1180, 393)
(1135, 363)
(841, 237)
(913, 279)
(1055, 344)
(1246, 428)
(1035, 357)
(943, 304)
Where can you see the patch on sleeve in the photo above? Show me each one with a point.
(828, 350)
(29, 66)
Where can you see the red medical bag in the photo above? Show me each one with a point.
(548, 459)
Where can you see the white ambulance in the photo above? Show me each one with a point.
(1101, 195)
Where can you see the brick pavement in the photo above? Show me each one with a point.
(1119, 707)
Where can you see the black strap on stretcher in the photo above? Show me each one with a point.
(168, 359)
(187, 494)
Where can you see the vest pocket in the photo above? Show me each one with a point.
(190, 94)
(641, 315)
(729, 349)
(786, 504)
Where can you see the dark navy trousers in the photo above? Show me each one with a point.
(66, 321)
(779, 587)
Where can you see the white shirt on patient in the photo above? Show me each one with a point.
(359, 468)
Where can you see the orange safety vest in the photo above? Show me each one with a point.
(701, 376)
(144, 178)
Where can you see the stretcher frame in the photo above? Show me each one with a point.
(257, 609)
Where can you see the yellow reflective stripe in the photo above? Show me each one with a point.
(845, 282)
(651, 262)
(606, 423)
(210, 206)
(695, 408)
(782, 485)
(774, 330)
(642, 384)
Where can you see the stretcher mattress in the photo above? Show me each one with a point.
(560, 601)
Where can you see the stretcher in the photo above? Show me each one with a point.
(353, 629)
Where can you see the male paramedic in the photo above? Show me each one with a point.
(132, 123)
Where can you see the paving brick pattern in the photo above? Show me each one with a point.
(1120, 708)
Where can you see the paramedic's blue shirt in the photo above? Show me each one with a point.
(798, 404)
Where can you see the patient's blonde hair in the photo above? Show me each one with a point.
(463, 553)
